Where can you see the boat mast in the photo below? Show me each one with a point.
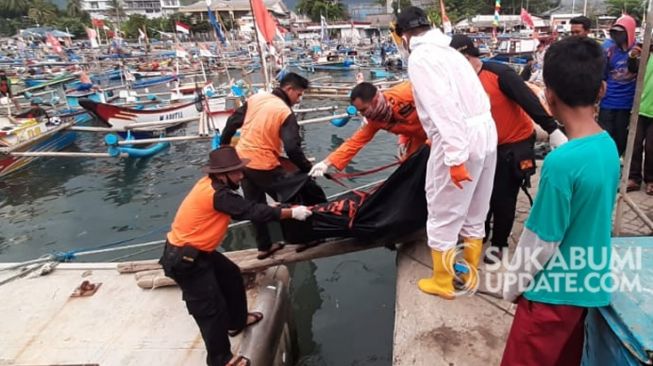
(264, 64)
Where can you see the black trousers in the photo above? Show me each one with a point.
(256, 185)
(643, 151)
(503, 202)
(615, 122)
(213, 290)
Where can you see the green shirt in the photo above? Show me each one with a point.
(573, 207)
(646, 104)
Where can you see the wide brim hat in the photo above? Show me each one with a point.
(224, 159)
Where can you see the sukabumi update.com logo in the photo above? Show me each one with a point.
(581, 270)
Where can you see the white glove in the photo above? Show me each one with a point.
(301, 213)
(319, 169)
(557, 138)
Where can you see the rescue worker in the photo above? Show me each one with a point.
(455, 113)
(514, 108)
(392, 110)
(268, 123)
(211, 284)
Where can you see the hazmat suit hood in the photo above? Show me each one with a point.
(434, 36)
(629, 24)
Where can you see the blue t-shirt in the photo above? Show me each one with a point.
(620, 82)
(573, 207)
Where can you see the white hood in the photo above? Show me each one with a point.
(434, 36)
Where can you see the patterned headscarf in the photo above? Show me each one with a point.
(379, 110)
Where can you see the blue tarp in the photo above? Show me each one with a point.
(622, 333)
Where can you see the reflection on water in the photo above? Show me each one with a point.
(343, 306)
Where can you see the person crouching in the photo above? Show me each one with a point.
(211, 284)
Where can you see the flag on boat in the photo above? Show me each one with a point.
(446, 23)
(264, 21)
(97, 23)
(92, 37)
(182, 27)
(526, 19)
(53, 42)
(204, 51)
(141, 35)
(323, 28)
(497, 10)
(216, 26)
(180, 51)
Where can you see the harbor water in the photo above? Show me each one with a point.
(343, 307)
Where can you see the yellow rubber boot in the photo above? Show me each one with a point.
(472, 251)
(441, 283)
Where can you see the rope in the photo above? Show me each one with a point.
(337, 177)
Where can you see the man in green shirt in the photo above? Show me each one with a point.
(561, 265)
(643, 148)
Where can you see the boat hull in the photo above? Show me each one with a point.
(10, 164)
(123, 118)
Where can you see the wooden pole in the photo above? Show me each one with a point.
(264, 64)
(632, 127)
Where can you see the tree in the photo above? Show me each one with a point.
(131, 26)
(634, 8)
(116, 10)
(315, 9)
(74, 9)
(12, 8)
(42, 12)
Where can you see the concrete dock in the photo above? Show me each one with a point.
(470, 330)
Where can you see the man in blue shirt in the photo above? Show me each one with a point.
(570, 219)
(620, 76)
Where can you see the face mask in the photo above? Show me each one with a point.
(619, 38)
(232, 185)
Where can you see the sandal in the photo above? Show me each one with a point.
(275, 248)
(239, 361)
(257, 315)
(308, 245)
(633, 186)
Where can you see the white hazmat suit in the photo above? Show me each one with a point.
(455, 113)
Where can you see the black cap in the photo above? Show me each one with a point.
(464, 45)
(411, 18)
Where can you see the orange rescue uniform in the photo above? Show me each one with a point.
(197, 223)
(405, 123)
(260, 139)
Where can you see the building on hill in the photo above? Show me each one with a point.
(101, 9)
(234, 9)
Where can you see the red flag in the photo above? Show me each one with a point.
(264, 21)
(446, 23)
(97, 23)
(526, 19)
(182, 27)
(53, 42)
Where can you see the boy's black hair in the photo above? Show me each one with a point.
(295, 81)
(363, 91)
(582, 20)
(574, 70)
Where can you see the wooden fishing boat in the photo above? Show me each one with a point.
(33, 135)
(148, 121)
